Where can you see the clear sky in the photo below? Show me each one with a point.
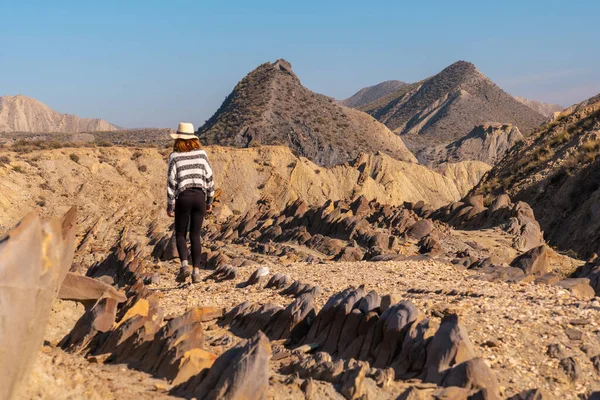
(153, 63)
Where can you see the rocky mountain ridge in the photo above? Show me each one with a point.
(24, 114)
(373, 93)
(270, 106)
(546, 109)
(445, 107)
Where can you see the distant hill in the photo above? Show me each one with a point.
(545, 109)
(372, 93)
(487, 143)
(445, 107)
(270, 106)
(557, 171)
(24, 114)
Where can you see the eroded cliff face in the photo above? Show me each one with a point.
(119, 180)
(24, 114)
(487, 143)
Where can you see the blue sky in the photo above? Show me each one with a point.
(154, 63)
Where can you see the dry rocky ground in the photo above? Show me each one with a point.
(530, 335)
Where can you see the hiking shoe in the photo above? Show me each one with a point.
(196, 275)
(184, 272)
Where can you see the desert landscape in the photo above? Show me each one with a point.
(427, 239)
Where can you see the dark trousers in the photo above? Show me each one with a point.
(190, 208)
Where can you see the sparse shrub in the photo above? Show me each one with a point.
(41, 202)
(19, 169)
(4, 160)
(560, 138)
(104, 143)
(74, 157)
(142, 168)
(136, 155)
(317, 171)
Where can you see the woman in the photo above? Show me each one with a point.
(190, 191)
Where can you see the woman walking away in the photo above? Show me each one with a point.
(190, 191)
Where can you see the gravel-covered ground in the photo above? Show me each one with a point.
(512, 325)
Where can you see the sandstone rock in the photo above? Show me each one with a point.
(548, 279)
(223, 273)
(240, 373)
(420, 229)
(397, 319)
(80, 288)
(450, 346)
(352, 385)
(35, 256)
(291, 322)
(350, 253)
(579, 287)
(573, 334)
(193, 363)
(473, 375)
(534, 261)
(413, 354)
(257, 276)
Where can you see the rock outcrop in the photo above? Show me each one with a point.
(270, 106)
(556, 171)
(487, 143)
(24, 114)
(34, 258)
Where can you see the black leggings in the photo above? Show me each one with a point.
(190, 207)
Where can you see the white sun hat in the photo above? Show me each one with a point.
(184, 131)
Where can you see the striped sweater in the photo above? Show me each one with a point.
(189, 170)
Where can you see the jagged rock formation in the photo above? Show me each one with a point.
(356, 330)
(557, 171)
(23, 114)
(487, 143)
(446, 107)
(372, 93)
(546, 109)
(34, 258)
(367, 230)
(392, 336)
(270, 106)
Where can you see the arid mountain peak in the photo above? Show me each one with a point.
(445, 107)
(23, 114)
(270, 106)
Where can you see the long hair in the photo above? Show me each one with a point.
(185, 145)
